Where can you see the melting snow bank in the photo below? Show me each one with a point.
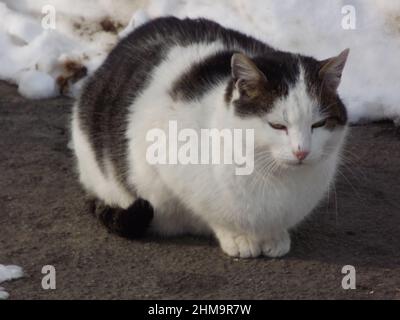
(45, 63)
(8, 273)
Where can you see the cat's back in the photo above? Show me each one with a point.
(158, 52)
(127, 70)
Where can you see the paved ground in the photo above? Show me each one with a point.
(43, 220)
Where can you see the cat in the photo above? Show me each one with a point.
(203, 75)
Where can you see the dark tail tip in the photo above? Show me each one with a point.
(130, 223)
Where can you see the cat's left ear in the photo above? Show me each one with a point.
(331, 70)
(249, 80)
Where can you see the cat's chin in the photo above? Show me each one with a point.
(294, 164)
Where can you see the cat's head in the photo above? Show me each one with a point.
(292, 103)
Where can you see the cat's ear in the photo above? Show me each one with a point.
(248, 78)
(331, 70)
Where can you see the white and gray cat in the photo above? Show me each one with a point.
(205, 76)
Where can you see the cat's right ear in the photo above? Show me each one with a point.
(249, 80)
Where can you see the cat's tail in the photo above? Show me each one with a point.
(131, 223)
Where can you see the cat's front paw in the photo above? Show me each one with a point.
(240, 246)
(277, 246)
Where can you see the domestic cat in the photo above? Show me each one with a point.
(202, 75)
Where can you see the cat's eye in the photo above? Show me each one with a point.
(319, 124)
(330, 122)
(277, 126)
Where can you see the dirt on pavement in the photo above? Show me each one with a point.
(44, 221)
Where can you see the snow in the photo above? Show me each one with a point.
(8, 273)
(370, 85)
(28, 51)
(37, 85)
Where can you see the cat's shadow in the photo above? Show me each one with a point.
(324, 237)
(335, 245)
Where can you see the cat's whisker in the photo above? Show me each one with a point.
(353, 167)
(358, 194)
(328, 201)
(336, 203)
(262, 174)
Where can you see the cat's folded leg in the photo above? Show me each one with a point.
(276, 244)
(131, 222)
(236, 244)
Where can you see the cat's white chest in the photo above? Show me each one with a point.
(280, 200)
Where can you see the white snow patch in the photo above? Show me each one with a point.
(28, 48)
(8, 273)
(37, 85)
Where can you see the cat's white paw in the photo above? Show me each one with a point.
(240, 246)
(277, 246)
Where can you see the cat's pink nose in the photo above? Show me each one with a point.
(301, 155)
